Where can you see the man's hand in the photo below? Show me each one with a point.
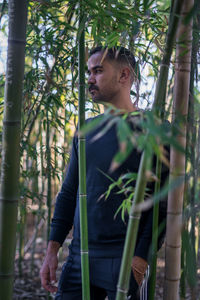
(49, 267)
(139, 266)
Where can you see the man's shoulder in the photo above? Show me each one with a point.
(100, 116)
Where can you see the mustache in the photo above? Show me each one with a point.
(93, 87)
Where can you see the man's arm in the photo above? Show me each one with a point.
(49, 267)
(62, 221)
(66, 200)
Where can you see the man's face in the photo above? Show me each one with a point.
(103, 79)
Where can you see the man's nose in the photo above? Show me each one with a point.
(91, 79)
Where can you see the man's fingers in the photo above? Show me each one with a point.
(47, 285)
(53, 275)
(48, 273)
(44, 279)
(51, 288)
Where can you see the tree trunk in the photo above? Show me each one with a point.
(9, 191)
(177, 159)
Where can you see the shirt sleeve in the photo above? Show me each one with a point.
(144, 239)
(63, 217)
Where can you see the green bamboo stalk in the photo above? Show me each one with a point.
(198, 175)
(35, 188)
(132, 230)
(55, 163)
(64, 144)
(48, 161)
(158, 108)
(21, 225)
(189, 195)
(153, 265)
(21, 222)
(183, 272)
(82, 164)
(42, 174)
(48, 158)
(9, 191)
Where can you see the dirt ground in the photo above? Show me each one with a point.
(28, 285)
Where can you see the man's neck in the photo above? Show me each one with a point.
(126, 105)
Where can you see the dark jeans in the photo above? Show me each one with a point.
(104, 274)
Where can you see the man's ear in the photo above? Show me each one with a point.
(125, 75)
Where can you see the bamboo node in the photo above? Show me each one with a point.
(9, 200)
(6, 275)
(182, 70)
(124, 291)
(134, 217)
(11, 123)
(171, 246)
(164, 65)
(175, 279)
(174, 213)
(84, 252)
(17, 41)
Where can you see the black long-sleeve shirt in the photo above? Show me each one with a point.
(106, 233)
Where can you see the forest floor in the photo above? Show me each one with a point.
(28, 285)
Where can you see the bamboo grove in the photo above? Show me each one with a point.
(56, 53)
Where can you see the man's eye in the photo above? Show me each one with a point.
(98, 70)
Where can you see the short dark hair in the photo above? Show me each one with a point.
(119, 54)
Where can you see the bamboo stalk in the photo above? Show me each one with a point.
(158, 107)
(132, 229)
(21, 227)
(82, 164)
(9, 191)
(152, 279)
(48, 158)
(183, 274)
(177, 159)
(189, 197)
(35, 188)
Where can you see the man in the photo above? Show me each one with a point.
(111, 75)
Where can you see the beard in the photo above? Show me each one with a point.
(98, 97)
(96, 94)
(106, 94)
